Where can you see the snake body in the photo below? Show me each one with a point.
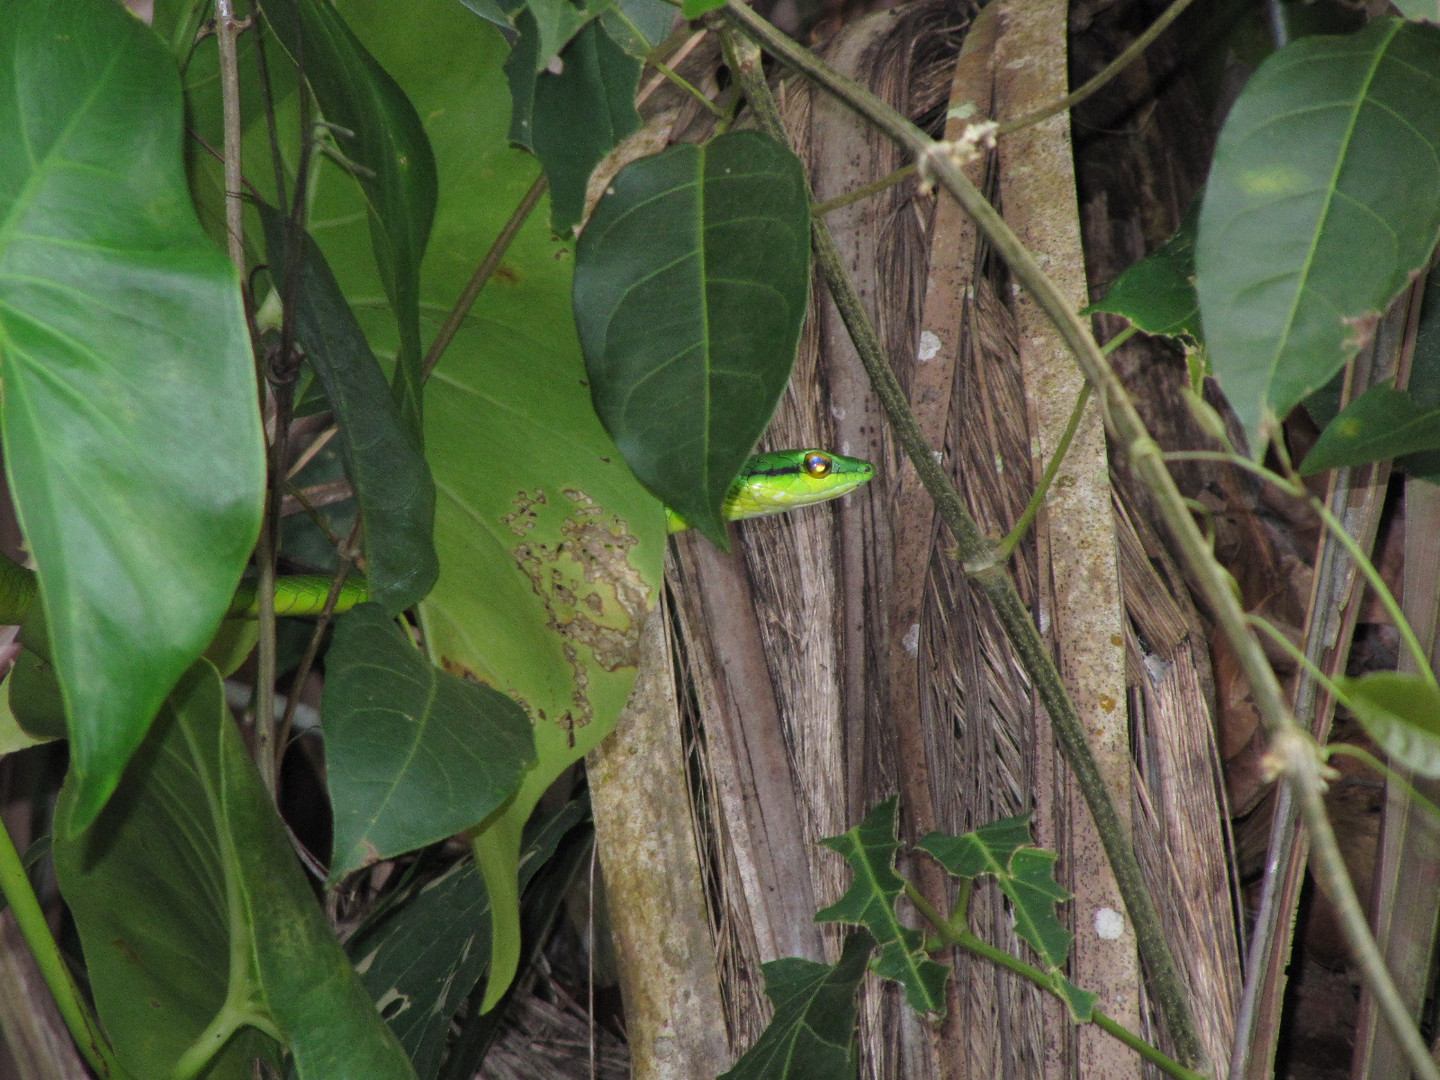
(768, 484)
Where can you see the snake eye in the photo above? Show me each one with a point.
(817, 464)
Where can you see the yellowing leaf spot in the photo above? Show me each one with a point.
(1273, 180)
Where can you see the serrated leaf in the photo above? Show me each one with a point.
(1025, 874)
(197, 921)
(1323, 200)
(690, 287)
(572, 118)
(413, 754)
(1381, 423)
(387, 469)
(1402, 713)
(870, 849)
(424, 959)
(1079, 1003)
(1157, 294)
(385, 138)
(131, 427)
(812, 1033)
(987, 850)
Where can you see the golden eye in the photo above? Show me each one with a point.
(816, 464)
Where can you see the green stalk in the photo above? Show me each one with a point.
(1130, 435)
(976, 554)
(15, 886)
(957, 934)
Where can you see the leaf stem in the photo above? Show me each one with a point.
(976, 555)
(487, 267)
(960, 936)
(16, 888)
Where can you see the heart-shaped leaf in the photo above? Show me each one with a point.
(691, 280)
(132, 441)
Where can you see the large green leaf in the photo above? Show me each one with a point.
(132, 435)
(549, 550)
(870, 849)
(812, 1034)
(412, 753)
(573, 117)
(382, 456)
(1323, 200)
(199, 927)
(384, 137)
(690, 287)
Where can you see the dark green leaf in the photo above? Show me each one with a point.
(690, 287)
(198, 923)
(557, 22)
(396, 165)
(1402, 714)
(1323, 200)
(987, 850)
(1024, 873)
(573, 118)
(413, 754)
(421, 962)
(812, 1034)
(1381, 423)
(870, 849)
(131, 428)
(1157, 294)
(383, 459)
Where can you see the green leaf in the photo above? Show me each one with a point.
(690, 287)
(693, 9)
(493, 13)
(413, 754)
(550, 551)
(422, 961)
(131, 427)
(638, 26)
(1157, 294)
(557, 22)
(1381, 423)
(812, 1034)
(1402, 714)
(1323, 201)
(870, 849)
(1079, 1003)
(382, 457)
(1024, 873)
(197, 922)
(573, 118)
(396, 165)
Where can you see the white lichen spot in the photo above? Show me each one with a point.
(929, 346)
(911, 641)
(837, 412)
(1109, 924)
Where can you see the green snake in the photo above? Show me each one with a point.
(768, 484)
